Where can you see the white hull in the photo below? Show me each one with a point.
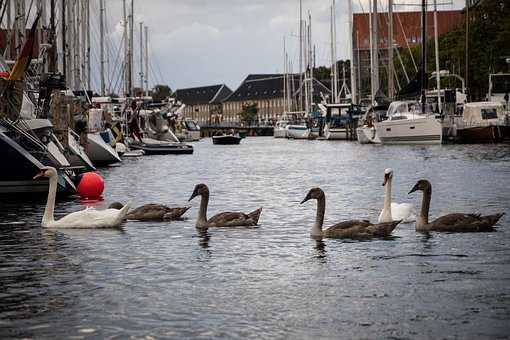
(367, 135)
(280, 132)
(297, 132)
(335, 134)
(420, 130)
(77, 156)
(99, 151)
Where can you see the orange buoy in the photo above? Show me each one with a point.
(91, 186)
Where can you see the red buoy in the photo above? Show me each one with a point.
(91, 186)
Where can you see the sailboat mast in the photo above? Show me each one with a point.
(371, 42)
(141, 57)
(375, 27)
(131, 29)
(436, 45)
(391, 65)
(147, 60)
(300, 104)
(88, 64)
(354, 80)
(333, 90)
(423, 54)
(101, 40)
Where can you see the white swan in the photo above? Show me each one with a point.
(88, 218)
(394, 211)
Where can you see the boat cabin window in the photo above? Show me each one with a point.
(489, 113)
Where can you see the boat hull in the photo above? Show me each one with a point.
(280, 133)
(226, 140)
(482, 134)
(18, 169)
(297, 132)
(427, 130)
(367, 135)
(335, 134)
(99, 152)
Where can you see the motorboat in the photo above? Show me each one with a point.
(406, 124)
(99, 151)
(483, 122)
(227, 139)
(367, 133)
(99, 147)
(23, 154)
(77, 155)
(157, 147)
(298, 131)
(280, 129)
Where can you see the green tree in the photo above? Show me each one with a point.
(249, 113)
(161, 92)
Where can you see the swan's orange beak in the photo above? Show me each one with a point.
(39, 174)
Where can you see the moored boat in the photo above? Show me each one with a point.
(227, 139)
(406, 125)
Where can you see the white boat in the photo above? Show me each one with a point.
(483, 122)
(298, 131)
(407, 125)
(280, 129)
(77, 155)
(336, 121)
(367, 135)
(100, 152)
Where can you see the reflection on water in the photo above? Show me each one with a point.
(169, 280)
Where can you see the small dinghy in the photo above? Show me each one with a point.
(227, 139)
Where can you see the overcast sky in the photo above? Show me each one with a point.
(205, 42)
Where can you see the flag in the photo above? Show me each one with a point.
(23, 61)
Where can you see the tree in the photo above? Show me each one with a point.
(249, 113)
(161, 92)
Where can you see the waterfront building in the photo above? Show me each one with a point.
(203, 103)
(267, 92)
(406, 34)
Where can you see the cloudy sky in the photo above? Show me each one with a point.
(204, 42)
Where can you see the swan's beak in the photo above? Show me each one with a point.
(39, 174)
(415, 188)
(386, 177)
(193, 195)
(308, 196)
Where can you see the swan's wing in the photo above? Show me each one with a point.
(148, 211)
(403, 211)
(456, 222)
(90, 218)
(350, 224)
(230, 219)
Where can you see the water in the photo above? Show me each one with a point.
(166, 280)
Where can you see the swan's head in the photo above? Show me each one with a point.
(314, 193)
(388, 175)
(47, 172)
(422, 185)
(116, 205)
(200, 189)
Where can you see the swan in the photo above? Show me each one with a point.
(152, 212)
(352, 229)
(394, 211)
(88, 218)
(224, 219)
(455, 222)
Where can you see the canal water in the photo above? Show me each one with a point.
(166, 280)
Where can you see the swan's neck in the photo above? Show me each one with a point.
(387, 199)
(423, 219)
(202, 212)
(319, 218)
(50, 204)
